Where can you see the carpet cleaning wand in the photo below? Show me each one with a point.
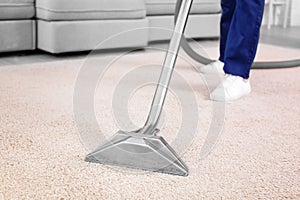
(143, 148)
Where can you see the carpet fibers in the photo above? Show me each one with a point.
(42, 150)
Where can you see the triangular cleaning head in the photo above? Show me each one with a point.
(139, 151)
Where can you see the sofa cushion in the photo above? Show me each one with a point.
(85, 35)
(17, 35)
(16, 9)
(90, 9)
(167, 7)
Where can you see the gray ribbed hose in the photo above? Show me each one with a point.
(256, 65)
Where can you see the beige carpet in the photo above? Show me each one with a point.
(41, 154)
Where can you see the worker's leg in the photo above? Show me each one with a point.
(243, 36)
(228, 7)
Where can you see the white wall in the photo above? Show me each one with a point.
(278, 20)
(295, 13)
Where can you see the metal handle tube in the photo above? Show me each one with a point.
(167, 70)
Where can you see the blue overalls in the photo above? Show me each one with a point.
(240, 27)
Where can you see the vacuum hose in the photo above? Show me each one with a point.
(256, 65)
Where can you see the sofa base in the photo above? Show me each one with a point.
(70, 36)
(17, 35)
(198, 26)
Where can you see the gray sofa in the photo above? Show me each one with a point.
(68, 26)
(203, 20)
(17, 26)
